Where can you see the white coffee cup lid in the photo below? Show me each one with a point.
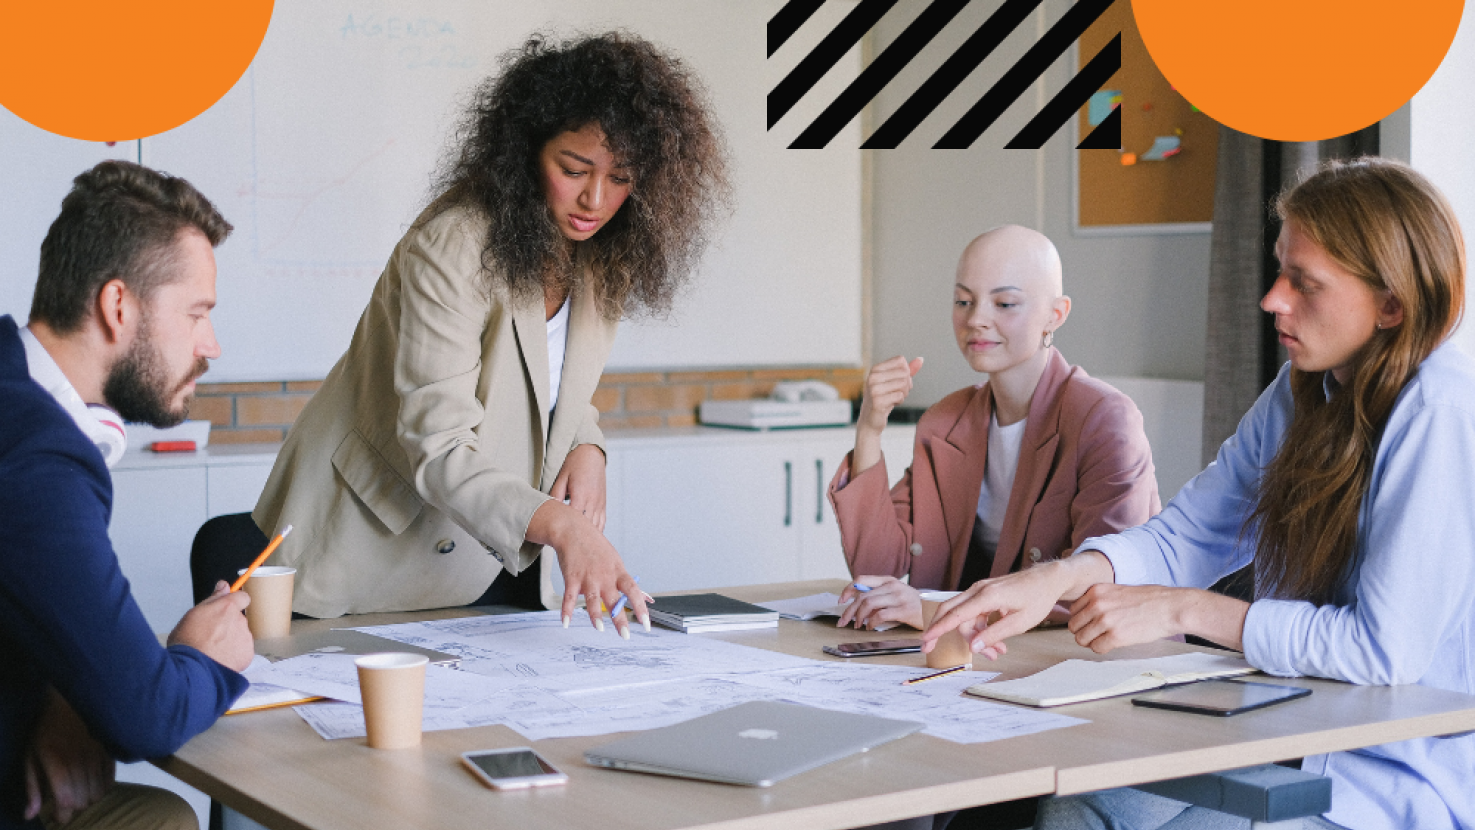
(268, 570)
(391, 660)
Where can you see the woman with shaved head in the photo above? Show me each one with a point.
(1005, 475)
(1347, 485)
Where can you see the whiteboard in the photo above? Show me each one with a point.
(322, 154)
(36, 174)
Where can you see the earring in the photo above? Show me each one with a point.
(1049, 339)
(1378, 326)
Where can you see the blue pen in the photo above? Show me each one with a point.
(859, 587)
(620, 606)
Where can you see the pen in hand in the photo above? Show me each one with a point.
(246, 574)
(620, 608)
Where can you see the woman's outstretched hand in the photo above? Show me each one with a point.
(591, 566)
(993, 610)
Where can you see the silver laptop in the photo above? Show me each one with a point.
(754, 743)
(342, 641)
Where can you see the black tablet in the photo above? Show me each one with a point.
(1220, 697)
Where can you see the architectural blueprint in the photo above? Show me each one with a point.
(546, 681)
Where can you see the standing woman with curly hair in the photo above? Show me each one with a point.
(456, 436)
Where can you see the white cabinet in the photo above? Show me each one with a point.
(705, 507)
(159, 502)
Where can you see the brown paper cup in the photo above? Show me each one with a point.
(951, 649)
(270, 613)
(393, 688)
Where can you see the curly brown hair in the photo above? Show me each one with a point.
(656, 120)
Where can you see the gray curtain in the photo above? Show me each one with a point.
(1241, 355)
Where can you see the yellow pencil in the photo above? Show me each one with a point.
(935, 675)
(262, 558)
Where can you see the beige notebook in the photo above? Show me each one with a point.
(1074, 681)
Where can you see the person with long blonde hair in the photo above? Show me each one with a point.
(1348, 486)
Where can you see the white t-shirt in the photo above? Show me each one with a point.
(557, 345)
(998, 476)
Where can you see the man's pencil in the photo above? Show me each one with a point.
(246, 574)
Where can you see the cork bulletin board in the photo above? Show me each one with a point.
(1167, 191)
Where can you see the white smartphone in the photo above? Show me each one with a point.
(514, 768)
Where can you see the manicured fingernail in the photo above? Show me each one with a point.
(647, 626)
(624, 633)
(599, 623)
(565, 620)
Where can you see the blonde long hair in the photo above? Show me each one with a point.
(1391, 228)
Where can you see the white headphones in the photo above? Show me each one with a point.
(102, 426)
(105, 431)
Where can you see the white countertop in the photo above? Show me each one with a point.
(213, 455)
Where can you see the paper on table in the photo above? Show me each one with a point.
(535, 648)
(878, 690)
(263, 695)
(588, 683)
(335, 676)
(813, 607)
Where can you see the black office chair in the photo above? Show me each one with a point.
(223, 546)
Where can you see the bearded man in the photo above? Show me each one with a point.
(120, 322)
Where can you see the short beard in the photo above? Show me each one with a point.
(138, 389)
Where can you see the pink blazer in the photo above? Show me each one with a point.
(1085, 470)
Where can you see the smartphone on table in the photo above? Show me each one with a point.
(514, 768)
(874, 647)
(1221, 698)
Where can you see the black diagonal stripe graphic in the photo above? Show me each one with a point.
(878, 74)
(1107, 135)
(1029, 68)
(825, 55)
(1070, 99)
(788, 20)
(974, 50)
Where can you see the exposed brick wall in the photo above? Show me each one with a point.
(251, 413)
(262, 412)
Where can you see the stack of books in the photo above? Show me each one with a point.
(697, 613)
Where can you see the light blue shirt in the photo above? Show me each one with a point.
(1406, 614)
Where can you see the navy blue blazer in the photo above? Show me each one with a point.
(67, 618)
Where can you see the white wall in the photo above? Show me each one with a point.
(322, 154)
(1140, 301)
(1441, 122)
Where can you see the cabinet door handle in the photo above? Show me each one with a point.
(788, 494)
(819, 491)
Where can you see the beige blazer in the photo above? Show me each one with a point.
(412, 475)
(1085, 469)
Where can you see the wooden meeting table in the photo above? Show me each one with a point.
(273, 768)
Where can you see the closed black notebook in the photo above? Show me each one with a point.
(709, 612)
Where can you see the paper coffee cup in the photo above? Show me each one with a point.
(270, 613)
(951, 649)
(392, 685)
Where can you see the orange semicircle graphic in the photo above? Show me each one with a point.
(120, 71)
(1297, 70)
